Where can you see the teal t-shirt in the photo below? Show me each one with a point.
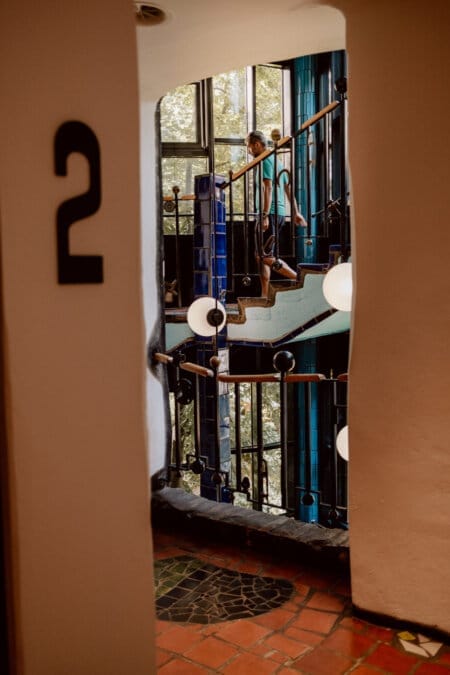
(282, 180)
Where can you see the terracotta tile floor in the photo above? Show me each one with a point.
(312, 632)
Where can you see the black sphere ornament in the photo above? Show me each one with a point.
(341, 85)
(184, 392)
(197, 466)
(283, 361)
(246, 281)
(245, 484)
(334, 515)
(214, 317)
(307, 500)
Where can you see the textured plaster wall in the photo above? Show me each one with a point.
(399, 413)
(75, 355)
(399, 378)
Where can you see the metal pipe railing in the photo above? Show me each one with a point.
(333, 512)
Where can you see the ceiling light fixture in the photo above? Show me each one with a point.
(148, 15)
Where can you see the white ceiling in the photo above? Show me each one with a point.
(201, 38)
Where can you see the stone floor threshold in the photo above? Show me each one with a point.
(174, 508)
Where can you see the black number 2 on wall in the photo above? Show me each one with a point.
(77, 269)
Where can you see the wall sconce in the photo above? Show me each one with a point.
(206, 316)
(338, 286)
(342, 443)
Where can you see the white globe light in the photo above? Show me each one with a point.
(342, 443)
(206, 315)
(338, 286)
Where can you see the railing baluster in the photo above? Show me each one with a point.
(333, 514)
(275, 199)
(238, 438)
(259, 444)
(283, 441)
(308, 466)
(197, 435)
(177, 430)
(293, 180)
(176, 191)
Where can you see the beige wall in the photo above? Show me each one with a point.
(75, 355)
(399, 413)
(399, 154)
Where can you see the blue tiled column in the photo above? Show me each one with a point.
(307, 357)
(210, 237)
(210, 278)
(306, 107)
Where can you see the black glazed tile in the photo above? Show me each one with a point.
(189, 590)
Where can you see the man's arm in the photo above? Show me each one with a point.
(298, 218)
(267, 201)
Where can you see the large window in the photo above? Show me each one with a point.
(204, 126)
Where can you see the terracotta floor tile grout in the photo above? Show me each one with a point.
(340, 643)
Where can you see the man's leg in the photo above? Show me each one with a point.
(264, 271)
(283, 268)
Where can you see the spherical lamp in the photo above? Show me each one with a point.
(342, 443)
(205, 316)
(338, 286)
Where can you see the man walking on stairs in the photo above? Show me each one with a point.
(272, 217)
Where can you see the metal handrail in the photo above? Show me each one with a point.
(282, 142)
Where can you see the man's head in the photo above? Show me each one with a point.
(256, 143)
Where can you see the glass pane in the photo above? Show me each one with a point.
(273, 464)
(269, 99)
(185, 224)
(179, 115)
(271, 412)
(230, 104)
(226, 158)
(181, 171)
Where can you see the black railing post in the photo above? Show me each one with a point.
(283, 440)
(275, 187)
(341, 87)
(238, 438)
(216, 477)
(260, 221)
(259, 446)
(231, 225)
(246, 279)
(176, 191)
(293, 185)
(334, 514)
(198, 465)
(177, 427)
(284, 362)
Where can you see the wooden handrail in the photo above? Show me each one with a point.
(318, 116)
(162, 358)
(198, 370)
(187, 365)
(240, 379)
(169, 198)
(305, 377)
(283, 141)
(272, 377)
(258, 159)
(343, 377)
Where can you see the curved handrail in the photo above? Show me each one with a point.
(283, 141)
(239, 379)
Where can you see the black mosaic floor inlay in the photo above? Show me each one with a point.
(190, 590)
